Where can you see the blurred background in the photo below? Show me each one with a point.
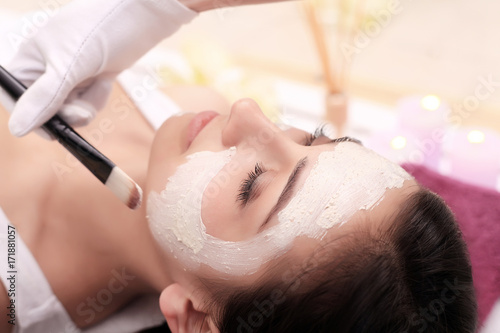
(417, 81)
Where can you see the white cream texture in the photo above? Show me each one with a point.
(342, 182)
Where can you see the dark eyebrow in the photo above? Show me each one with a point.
(345, 139)
(287, 192)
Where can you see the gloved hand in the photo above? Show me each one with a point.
(69, 65)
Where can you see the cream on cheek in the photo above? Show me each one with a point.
(174, 215)
(343, 181)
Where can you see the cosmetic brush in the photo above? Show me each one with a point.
(103, 168)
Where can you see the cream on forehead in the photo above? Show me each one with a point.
(343, 181)
(357, 179)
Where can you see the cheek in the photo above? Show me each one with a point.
(174, 213)
(159, 170)
(168, 151)
(218, 219)
(220, 211)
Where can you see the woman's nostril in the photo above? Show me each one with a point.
(246, 120)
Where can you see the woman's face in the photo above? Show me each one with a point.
(243, 198)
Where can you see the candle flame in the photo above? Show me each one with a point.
(398, 143)
(475, 136)
(430, 102)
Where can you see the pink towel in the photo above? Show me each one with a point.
(477, 211)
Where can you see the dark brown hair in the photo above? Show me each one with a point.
(414, 278)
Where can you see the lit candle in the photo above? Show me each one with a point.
(473, 156)
(424, 119)
(396, 146)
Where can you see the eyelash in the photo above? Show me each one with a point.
(320, 131)
(245, 193)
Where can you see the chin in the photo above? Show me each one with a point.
(167, 150)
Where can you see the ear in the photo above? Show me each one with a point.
(182, 312)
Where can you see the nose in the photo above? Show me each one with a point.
(248, 124)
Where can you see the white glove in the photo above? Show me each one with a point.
(75, 57)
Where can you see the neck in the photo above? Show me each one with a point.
(146, 257)
(138, 248)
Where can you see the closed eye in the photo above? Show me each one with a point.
(247, 192)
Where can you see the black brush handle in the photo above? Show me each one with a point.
(93, 159)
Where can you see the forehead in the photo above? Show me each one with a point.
(341, 182)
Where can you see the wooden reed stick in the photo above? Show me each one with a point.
(321, 45)
(350, 35)
(342, 26)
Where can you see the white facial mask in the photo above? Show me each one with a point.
(342, 182)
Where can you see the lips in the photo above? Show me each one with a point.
(198, 123)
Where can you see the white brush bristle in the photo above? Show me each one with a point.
(124, 188)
